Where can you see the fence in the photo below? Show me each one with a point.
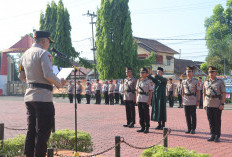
(117, 146)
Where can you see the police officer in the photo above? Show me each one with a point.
(97, 89)
(170, 90)
(111, 92)
(121, 90)
(36, 70)
(200, 86)
(214, 99)
(129, 98)
(116, 92)
(191, 99)
(179, 93)
(105, 91)
(88, 91)
(79, 91)
(70, 91)
(143, 99)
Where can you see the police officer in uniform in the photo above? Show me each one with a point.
(97, 89)
(143, 99)
(129, 98)
(214, 99)
(191, 99)
(111, 92)
(88, 91)
(116, 92)
(105, 91)
(121, 90)
(179, 93)
(70, 91)
(79, 91)
(170, 90)
(200, 86)
(36, 70)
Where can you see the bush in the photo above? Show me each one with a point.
(13, 146)
(160, 151)
(228, 100)
(63, 139)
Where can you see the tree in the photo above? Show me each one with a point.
(56, 21)
(204, 67)
(115, 46)
(219, 35)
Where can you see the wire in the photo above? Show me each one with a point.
(82, 39)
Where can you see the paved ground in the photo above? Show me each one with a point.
(104, 122)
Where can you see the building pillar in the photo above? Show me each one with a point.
(4, 63)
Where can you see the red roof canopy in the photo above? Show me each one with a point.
(21, 46)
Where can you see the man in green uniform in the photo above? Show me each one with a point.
(158, 112)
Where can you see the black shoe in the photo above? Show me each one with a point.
(192, 132)
(188, 131)
(158, 127)
(146, 130)
(217, 138)
(131, 125)
(141, 130)
(126, 125)
(211, 138)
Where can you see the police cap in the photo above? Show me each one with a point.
(43, 34)
(211, 68)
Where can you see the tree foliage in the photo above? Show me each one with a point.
(56, 21)
(219, 35)
(116, 48)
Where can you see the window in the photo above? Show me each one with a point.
(168, 62)
(159, 59)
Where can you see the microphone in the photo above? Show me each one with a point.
(58, 53)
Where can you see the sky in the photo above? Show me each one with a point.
(152, 19)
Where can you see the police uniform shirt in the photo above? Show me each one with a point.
(179, 88)
(192, 85)
(70, 89)
(79, 89)
(105, 88)
(97, 86)
(116, 88)
(37, 65)
(219, 86)
(111, 88)
(170, 87)
(129, 85)
(121, 88)
(146, 86)
(200, 85)
(88, 89)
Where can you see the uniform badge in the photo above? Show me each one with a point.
(20, 68)
(50, 57)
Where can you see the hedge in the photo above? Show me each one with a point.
(62, 139)
(160, 151)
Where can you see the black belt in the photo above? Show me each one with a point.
(130, 91)
(190, 94)
(40, 85)
(144, 93)
(213, 96)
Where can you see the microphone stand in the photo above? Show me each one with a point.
(76, 154)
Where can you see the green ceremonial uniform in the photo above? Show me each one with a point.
(158, 112)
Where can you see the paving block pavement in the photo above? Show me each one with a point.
(104, 122)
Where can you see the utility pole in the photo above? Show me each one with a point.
(93, 15)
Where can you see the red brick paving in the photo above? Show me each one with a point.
(104, 122)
